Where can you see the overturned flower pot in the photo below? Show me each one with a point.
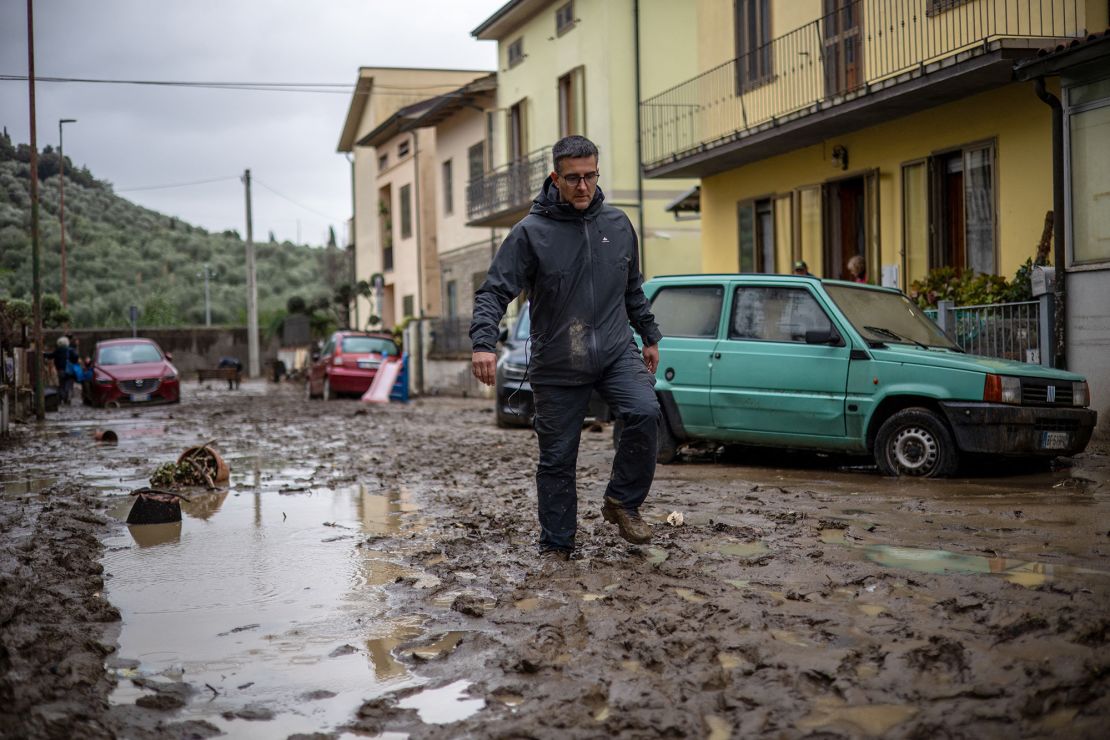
(154, 506)
(207, 462)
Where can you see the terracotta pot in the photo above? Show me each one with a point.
(223, 473)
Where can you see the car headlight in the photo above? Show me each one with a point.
(514, 370)
(1080, 393)
(1002, 389)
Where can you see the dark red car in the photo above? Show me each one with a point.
(131, 371)
(348, 363)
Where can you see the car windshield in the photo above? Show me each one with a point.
(128, 354)
(886, 317)
(361, 345)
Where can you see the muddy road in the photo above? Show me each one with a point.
(372, 570)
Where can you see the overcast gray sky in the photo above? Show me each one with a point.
(147, 136)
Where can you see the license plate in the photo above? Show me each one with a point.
(367, 364)
(1055, 440)
(139, 397)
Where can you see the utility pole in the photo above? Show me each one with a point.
(252, 287)
(36, 256)
(62, 205)
(207, 297)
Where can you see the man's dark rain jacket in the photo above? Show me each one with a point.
(581, 272)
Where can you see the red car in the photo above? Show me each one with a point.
(131, 371)
(348, 363)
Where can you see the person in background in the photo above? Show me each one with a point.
(857, 268)
(801, 268)
(60, 358)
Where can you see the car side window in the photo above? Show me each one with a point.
(329, 348)
(688, 311)
(771, 314)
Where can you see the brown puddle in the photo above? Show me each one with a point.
(264, 598)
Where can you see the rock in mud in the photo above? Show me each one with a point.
(250, 712)
(471, 606)
(161, 702)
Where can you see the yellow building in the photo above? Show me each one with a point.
(580, 67)
(823, 129)
(394, 169)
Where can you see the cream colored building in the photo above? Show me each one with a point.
(581, 67)
(394, 226)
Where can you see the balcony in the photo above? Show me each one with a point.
(502, 196)
(870, 61)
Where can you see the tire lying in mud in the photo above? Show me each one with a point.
(666, 450)
(916, 442)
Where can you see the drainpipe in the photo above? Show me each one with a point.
(1059, 318)
(354, 233)
(417, 203)
(639, 135)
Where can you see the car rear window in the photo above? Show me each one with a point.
(688, 310)
(355, 345)
(128, 354)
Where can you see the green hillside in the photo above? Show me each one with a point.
(120, 254)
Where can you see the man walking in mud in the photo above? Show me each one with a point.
(577, 260)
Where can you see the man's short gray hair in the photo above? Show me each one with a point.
(572, 147)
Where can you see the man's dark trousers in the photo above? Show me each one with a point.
(628, 388)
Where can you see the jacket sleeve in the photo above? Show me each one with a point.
(636, 303)
(508, 275)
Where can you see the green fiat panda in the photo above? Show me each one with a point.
(796, 362)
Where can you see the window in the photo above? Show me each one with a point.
(753, 39)
(1088, 132)
(962, 206)
(757, 236)
(517, 133)
(915, 221)
(572, 103)
(403, 149)
(775, 315)
(564, 19)
(408, 304)
(385, 226)
(693, 311)
(516, 52)
(476, 160)
(448, 189)
(406, 211)
(452, 298)
(383, 161)
(843, 46)
(366, 345)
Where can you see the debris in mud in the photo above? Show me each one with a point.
(244, 628)
(197, 466)
(154, 506)
(675, 519)
(106, 436)
(317, 695)
(941, 652)
(161, 702)
(253, 712)
(342, 650)
(470, 605)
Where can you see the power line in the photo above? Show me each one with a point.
(332, 88)
(331, 219)
(176, 184)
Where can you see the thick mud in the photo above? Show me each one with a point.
(373, 570)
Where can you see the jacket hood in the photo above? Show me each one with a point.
(549, 203)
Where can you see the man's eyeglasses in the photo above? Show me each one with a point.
(589, 177)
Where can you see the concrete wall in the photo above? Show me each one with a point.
(192, 348)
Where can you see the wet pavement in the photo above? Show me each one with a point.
(372, 570)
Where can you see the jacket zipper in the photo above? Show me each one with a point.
(593, 293)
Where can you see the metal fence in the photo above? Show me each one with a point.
(508, 187)
(834, 59)
(450, 337)
(1010, 331)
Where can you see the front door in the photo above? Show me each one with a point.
(766, 379)
(843, 51)
(845, 225)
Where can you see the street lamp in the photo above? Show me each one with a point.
(62, 205)
(206, 273)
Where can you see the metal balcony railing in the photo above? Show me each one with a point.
(1010, 331)
(834, 59)
(509, 187)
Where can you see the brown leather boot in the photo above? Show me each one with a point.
(554, 556)
(632, 526)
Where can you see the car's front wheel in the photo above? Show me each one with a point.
(916, 442)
